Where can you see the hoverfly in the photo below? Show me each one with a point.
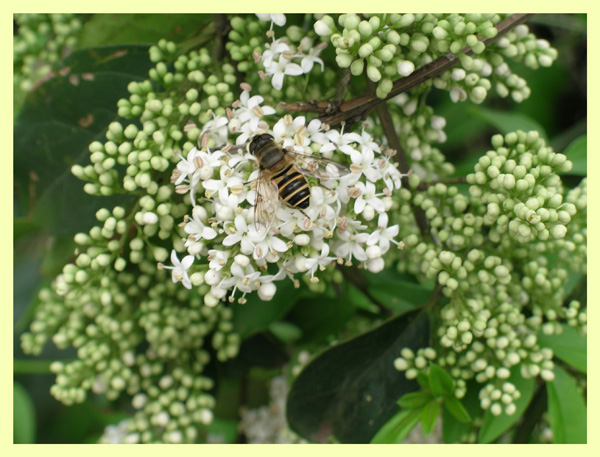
(282, 176)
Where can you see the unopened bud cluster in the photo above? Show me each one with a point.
(391, 46)
(42, 40)
(519, 186)
(503, 286)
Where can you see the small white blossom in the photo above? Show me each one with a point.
(180, 269)
(277, 19)
(277, 70)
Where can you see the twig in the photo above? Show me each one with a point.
(358, 108)
(387, 124)
(222, 28)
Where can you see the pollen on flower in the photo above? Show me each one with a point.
(236, 254)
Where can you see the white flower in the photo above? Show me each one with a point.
(180, 269)
(384, 234)
(241, 233)
(322, 29)
(367, 196)
(352, 246)
(281, 68)
(249, 110)
(321, 260)
(308, 60)
(196, 228)
(339, 222)
(277, 19)
(217, 129)
(273, 51)
(217, 259)
(269, 248)
(242, 278)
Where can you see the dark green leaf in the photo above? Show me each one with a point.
(397, 428)
(55, 127)
(441, 383)
(23, 227)
(141, 28)
(569, 346)
(23, 416)
(494, 426)
(321, 316)
(256, 315)
(349, 390)
(456, 408)
(429, 416)
(414, 400)
(60, 251)
(576, 152)
(507, 122)
(566, 410)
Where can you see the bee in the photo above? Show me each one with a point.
(282, 177)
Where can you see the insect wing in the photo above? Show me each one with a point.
(266, 202)
(318, 167)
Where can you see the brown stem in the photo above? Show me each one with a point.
(387, 124)
(358, 108)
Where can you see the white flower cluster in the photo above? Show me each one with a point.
(346, 221)
(267, 424)
(278, 57)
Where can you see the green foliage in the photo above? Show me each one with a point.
(349, 389)
(566, 410)
(23, 416)
(458, 302)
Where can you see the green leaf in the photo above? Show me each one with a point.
(285, 332)
(453, 429)
(423, 381)
(569, 346)
(441, 383)
(321, 316)
(507, 122)
(256, 315)
(398, 427)
(349, 390)
(494, 426)
(399, 295)
(22, 228)
(456, 408)
(141, 28)
(23, 416)
(55, 127)
(414, 400)
(566, 409)
(429, 416)
(222, 431)
(576, 152)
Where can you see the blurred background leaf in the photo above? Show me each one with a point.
(23, 416)
(350, 389)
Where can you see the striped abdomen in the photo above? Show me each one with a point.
(293, 188)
